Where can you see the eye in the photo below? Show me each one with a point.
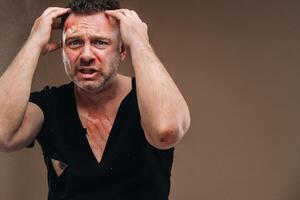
(73, 44)
(99, 43)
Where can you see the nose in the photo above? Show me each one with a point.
(87, 56)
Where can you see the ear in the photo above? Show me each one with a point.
(123, 52)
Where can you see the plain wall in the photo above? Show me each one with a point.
(237, 65)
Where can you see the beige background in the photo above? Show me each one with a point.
(236, 63)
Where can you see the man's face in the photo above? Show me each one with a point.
(92, 50)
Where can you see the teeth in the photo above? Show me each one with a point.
(87, 71)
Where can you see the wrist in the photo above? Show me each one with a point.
(140, 45)
(34, 45)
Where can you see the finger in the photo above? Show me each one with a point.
(115, 13)
(146, 26)
(125, 11)
(52, 46)
(59, 12)
(50, 9)
(134, 14)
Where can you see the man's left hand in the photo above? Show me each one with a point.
(134, 31)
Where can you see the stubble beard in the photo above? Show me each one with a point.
(94, 86)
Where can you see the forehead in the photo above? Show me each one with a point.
(93, 23)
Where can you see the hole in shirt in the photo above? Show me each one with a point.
(58, 166)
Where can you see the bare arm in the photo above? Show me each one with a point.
(20, 121)
(15, 86)
(165, 115)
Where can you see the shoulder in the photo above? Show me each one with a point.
(50, 90)
(49, 94)
(63, 87)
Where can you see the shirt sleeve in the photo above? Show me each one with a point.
(39, 98)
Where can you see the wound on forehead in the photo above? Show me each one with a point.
(98, 25)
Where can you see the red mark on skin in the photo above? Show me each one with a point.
(97, 135)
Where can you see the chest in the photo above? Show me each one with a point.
(98, 128)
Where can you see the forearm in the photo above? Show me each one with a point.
(162, 106)
(164, 113)
(15, 87)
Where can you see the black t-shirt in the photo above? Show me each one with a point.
(130, 168)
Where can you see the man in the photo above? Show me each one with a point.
(104, 135)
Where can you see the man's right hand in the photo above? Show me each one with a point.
(21, 120)
(41, 30)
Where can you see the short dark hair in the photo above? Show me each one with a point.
(89, 7)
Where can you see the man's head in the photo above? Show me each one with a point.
(92, 48)
(87, 7)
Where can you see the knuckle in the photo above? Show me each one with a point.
(47, 10)
(43, 19)
(50, 8)
(37, 20)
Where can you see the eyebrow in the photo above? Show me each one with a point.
(77, 36)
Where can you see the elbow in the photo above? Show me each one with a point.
(171, 135)
(167, 137)
(6, 146)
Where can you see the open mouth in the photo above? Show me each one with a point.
(87, 71)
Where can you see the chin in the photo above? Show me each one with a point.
(92, 86)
